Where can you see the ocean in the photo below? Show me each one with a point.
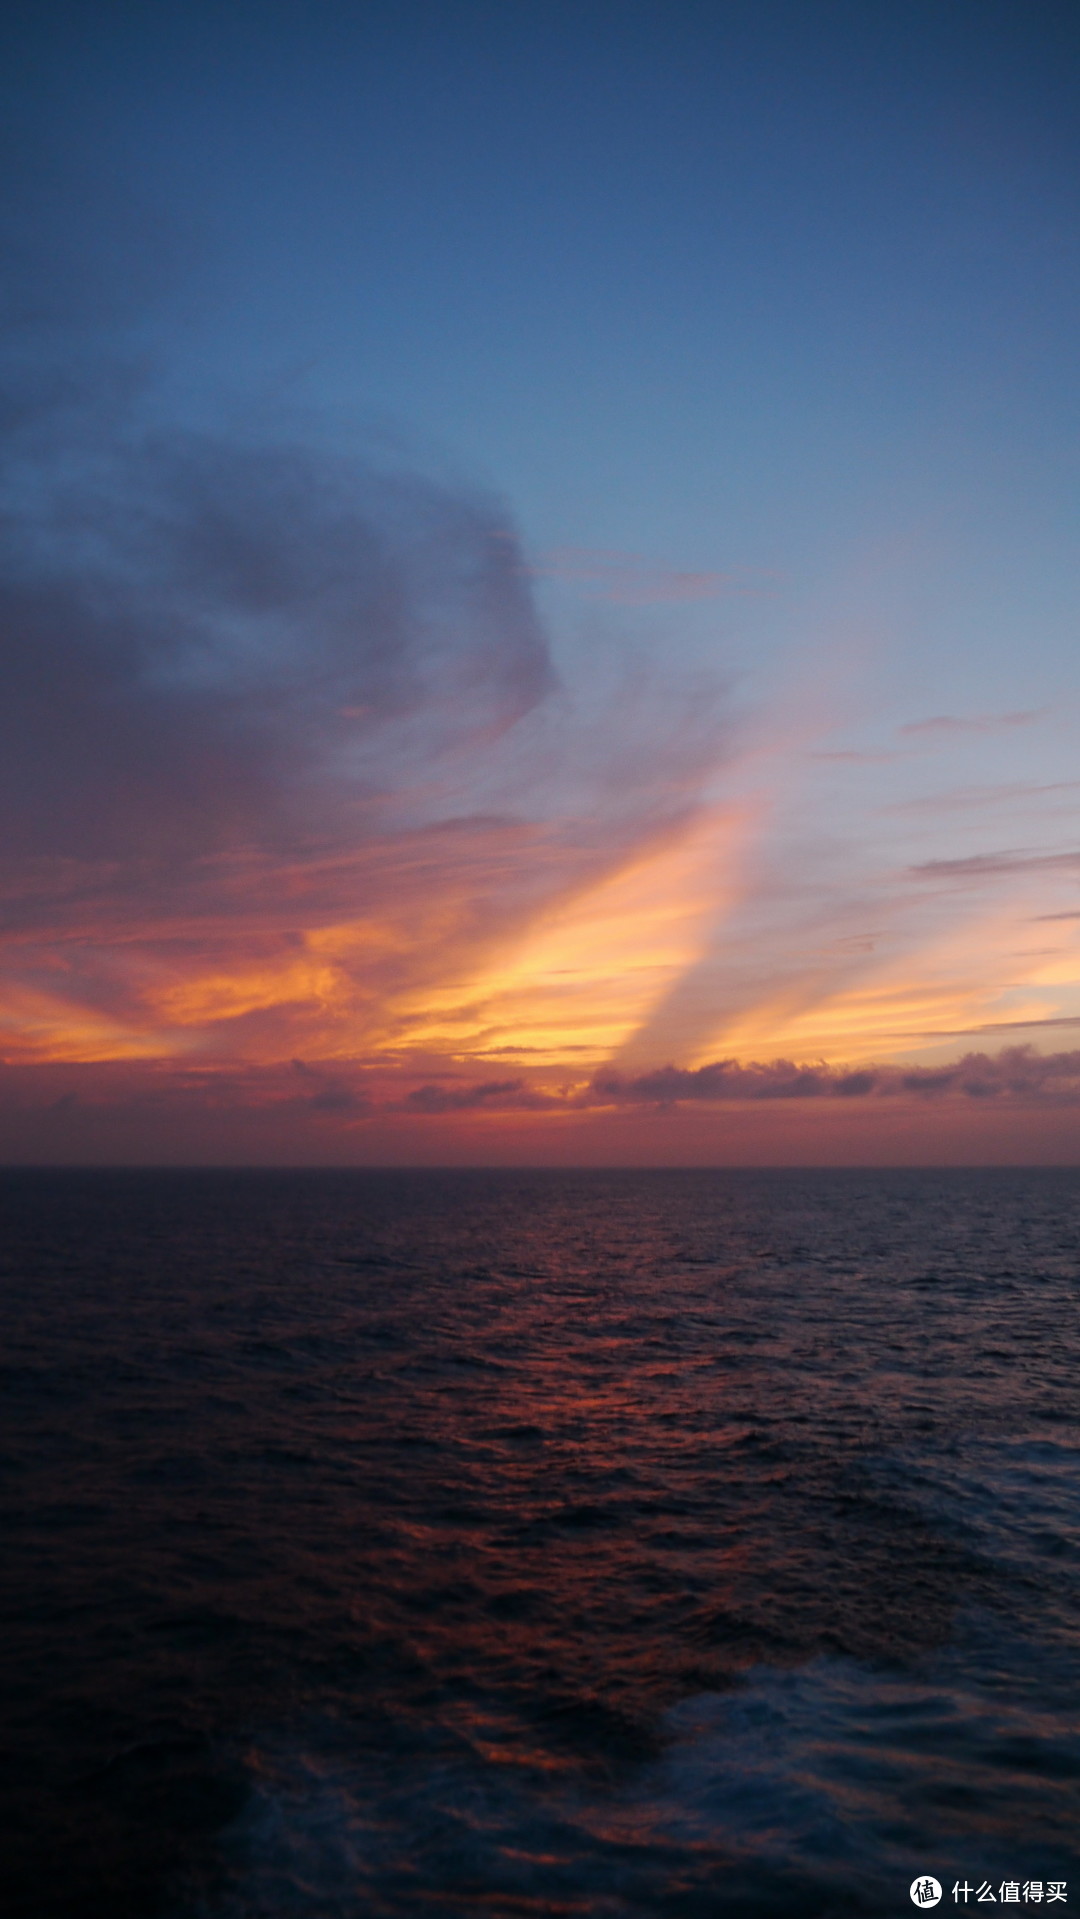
(539, 1543)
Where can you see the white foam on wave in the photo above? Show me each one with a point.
(828, 1787)
(836, 1760)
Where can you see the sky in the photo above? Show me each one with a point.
(538, 583)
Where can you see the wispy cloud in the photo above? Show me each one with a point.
(947, 723)
(967, 798)
(629, 579)
(977, 866)
(851, 757)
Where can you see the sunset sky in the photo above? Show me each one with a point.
(539, 579)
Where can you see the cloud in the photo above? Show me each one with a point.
(977, 866)
(1017, 1071)
(974, 723)
(628, 579)
(331, 1093)
(721, 1080)
(963, 797)
(210, 642)
(850, 757)
(1001, 1026)
(465, 1099)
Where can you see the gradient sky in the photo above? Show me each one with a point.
(538, 579)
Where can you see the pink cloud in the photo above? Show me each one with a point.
(628, 579)
(975, 723)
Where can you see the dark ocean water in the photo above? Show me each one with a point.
(538, 1543)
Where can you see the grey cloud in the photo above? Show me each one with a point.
(461, 1099)
(339, 1099)
(331, 1094)
(1017, 1071)
(207, 641)
(854, 1085)
(990, 865)
(723, 1079)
